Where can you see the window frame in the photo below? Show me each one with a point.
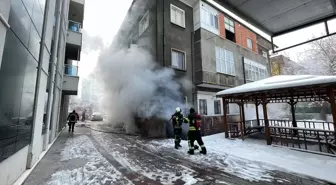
(227, 24)
(185, 59)
(254, 71)
(205, 106)
(207, 18)
(146, 15)
(218, 107)
(183, 16)
(225, 61)
(247, 43)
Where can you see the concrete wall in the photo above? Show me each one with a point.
(179, 38)
(70, 84)
(13, 167)
(208, 60)
(74, 38)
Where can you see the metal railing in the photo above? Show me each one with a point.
(74, 26)
(70, 70)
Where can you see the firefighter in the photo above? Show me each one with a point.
(177, 119)
(194, 133)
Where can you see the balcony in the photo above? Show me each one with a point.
(70, 80)
(214, 80)
(74, 41)
(74, 33)
(76, 11)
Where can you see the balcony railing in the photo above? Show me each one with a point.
(71, 70)
(74, 26)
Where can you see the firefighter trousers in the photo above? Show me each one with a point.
(195, 135)
(177, 136)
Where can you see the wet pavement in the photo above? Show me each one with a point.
(136, 163)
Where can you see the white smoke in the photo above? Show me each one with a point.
(135, 85)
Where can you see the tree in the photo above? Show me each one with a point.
(320, 59)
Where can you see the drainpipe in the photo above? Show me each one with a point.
(244, 75)
(38, 81)
(163, 33)
(53, 71)
(192, 67)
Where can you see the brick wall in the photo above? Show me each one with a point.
(221, 25)
(242, 34)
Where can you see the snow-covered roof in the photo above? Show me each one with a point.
(279, 82)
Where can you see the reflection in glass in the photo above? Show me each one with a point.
(17, 81)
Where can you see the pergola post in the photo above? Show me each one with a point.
(294, 123)
(243, 116)
(267, 129)
(242, 120)
(226, 128)
(333, 106)
(257, 112)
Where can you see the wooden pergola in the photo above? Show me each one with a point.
(280, 89)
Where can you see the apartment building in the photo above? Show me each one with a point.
(282, 65)
(226, 54)
(35, 47)
(164, 28)
(200, 42)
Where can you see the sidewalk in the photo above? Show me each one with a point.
(52, 162)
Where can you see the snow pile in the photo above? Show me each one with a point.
(252, 159)
(97, 170)
(156, 168)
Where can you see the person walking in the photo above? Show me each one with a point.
(72, 119)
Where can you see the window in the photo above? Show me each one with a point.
(217, 107)
(229, 24)
(178, 60)
(203, 110)
(177, 15)
(144, 23)
(209, 20)
(254, 71)
(249, 43)
(224, 61)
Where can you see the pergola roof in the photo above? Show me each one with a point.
(280, 16)
(281, 88)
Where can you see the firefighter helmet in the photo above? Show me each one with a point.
(178, 109)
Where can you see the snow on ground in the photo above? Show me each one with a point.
(153, 169)
(97, 169)
(238, 154)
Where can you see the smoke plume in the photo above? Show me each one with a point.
(135, 85)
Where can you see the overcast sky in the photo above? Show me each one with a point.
(102, 19)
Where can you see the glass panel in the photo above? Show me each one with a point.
(20, 21)
(216, 22)
(172, 15)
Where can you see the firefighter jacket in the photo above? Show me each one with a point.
(194, 121)
(178, 119)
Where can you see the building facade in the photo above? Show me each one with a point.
(34, 50)
(226, 54)
(201, 43)
(165, 29)
(282, 65)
